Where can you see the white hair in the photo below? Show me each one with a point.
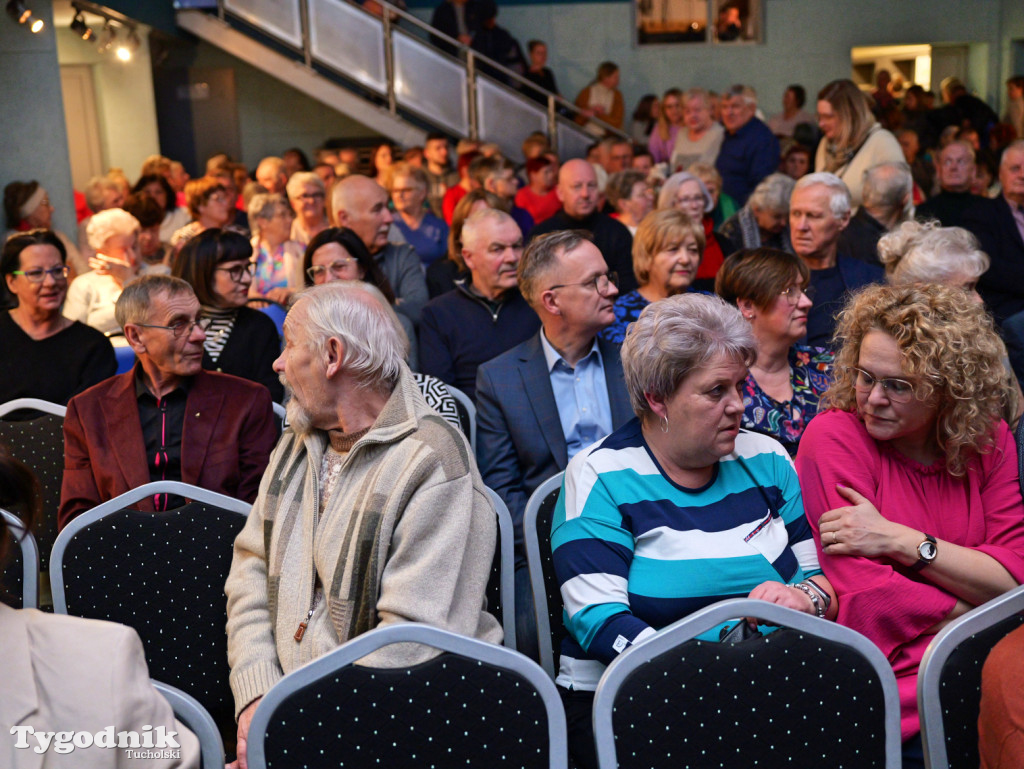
(667, 196)
(472, 229)
(346, 310)
(839, 194)
(300, 179)
(109, 224)
(886, 186)
(772, 194)
(929, 253)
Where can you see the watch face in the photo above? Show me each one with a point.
(927, 551)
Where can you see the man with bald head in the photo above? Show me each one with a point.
(484, 315)
(362, 205)
(271, 175)
(577, 189)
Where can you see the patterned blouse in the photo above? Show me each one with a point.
(810, 375)
(627, 309)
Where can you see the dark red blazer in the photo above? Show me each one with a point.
(227, 438)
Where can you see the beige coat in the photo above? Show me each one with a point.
(60, 673)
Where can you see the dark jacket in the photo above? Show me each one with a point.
(610, 236)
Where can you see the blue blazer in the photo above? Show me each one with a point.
(519, 436)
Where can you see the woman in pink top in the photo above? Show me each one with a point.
(910, 481)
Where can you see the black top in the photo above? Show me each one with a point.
(545, 79)
(947, 207)
(861, 236)
(610, 236)
(55, 368)
(163, 420)
(250, 351)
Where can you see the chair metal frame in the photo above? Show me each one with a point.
(412, 632)
(703, 620)
(470, 407)
(929, 677)
(507, 580)
(536, 568)
(35, 404)
(190, 712)
(281, 413)
(29, 559)
(117, 504)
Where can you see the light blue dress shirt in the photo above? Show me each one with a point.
(581, 395)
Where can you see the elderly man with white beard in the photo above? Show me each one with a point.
(371, 512)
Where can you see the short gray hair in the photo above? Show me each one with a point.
(264, 205)
(543, 253)
(95, 188)
(1017, 146)
(839, 194)
(929, 253)
(133, 304)
(299, 180)
(108, 224)
(886, 186)
(472, 226)
(745, 92)
(346, 310)
(772, 194)
(666, 198)
(674, 337)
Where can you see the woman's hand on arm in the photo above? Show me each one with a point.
(783, 595)
(860, 530)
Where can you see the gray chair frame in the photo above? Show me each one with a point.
(470, 407)
(117, 504)
(281, 413)
(536, 569)
(929, 677)
(507, 585)
(29, 559)
(34, 404)
(701, 621)
(188, 710)
(412, 632)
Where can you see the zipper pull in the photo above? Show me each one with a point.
(302, 627)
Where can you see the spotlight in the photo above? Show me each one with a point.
(37, 26)
(80, 28)
(106, 38)
(16, 10)
(131, 44)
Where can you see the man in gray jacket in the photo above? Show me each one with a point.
(371, 512)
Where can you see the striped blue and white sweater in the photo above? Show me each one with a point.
(634, 552)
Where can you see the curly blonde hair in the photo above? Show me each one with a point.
(949, 347)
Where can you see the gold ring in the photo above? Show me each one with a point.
(835, 539)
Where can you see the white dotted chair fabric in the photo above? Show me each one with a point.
(813, 691)
(476, 705)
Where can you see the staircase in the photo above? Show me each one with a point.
(385, 73)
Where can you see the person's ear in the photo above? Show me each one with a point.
(131, 334)
(549, 301)
(334, 355)
(657, 405)
(342, 218)
(844, 222)
(747, 308)
(10, 283)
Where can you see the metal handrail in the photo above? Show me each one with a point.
(554, 101)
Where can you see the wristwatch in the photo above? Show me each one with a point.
(926, 552)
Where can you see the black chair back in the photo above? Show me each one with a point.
(20, 586)
(501, 582)
(475, 705)
(162, 574)
(547, 596)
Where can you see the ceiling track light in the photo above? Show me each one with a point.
(18, 11)
(80, 28)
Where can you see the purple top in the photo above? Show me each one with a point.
(660, 150)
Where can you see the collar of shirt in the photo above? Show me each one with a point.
(141, 388)
(552, 357)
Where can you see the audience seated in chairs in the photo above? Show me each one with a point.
(69, 675)
(239, 341)
(409, 491)
(443, 274)
(278, 258)
(44, 354)
(166, 419)
(688, 193)
(914, 429)
(638, 509)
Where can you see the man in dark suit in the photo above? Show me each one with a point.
(166, 419)
(999, 226)
(556, 393)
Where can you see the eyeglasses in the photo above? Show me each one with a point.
(182, 327)
(236, 272)
(792, 293)
(600, 283)
(896, 390)
(311, 197)
(404, 190)
(336, 268)
(218, 197)
(38, 275)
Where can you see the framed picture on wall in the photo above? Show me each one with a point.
(726, 22)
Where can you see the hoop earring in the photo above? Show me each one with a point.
(664, 424)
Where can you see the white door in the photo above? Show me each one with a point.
(82, 123)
